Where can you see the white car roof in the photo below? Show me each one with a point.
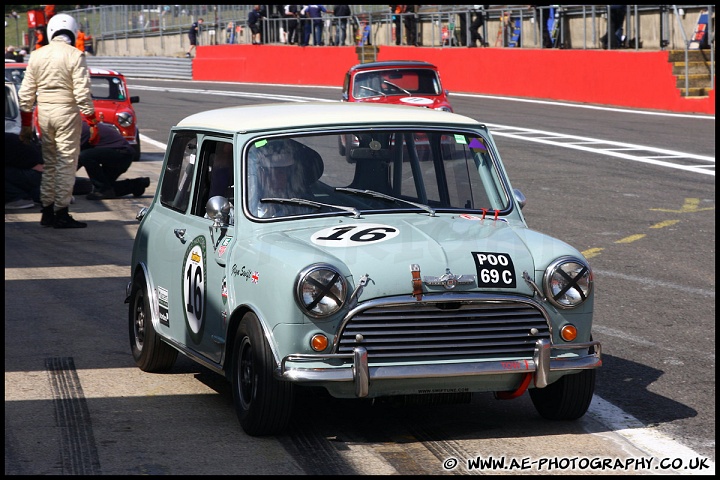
(309, 114)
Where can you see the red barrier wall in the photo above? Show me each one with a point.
(621, 78)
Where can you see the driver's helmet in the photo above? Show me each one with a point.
(62, 23)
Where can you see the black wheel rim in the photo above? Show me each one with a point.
(246, 374)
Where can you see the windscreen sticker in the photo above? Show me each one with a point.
(354, 235)
(163, 306)
(479, 144)
(494, 270)
(194, 287)
(460, 139)
(416, 100)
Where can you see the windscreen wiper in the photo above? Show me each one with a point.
(372, 193)
(311, 203)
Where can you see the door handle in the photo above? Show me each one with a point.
(180, 233)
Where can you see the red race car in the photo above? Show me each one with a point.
(401, 82)
(113, 104)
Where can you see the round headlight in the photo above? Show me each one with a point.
(125, 119)
(568, 282)
(321, 290)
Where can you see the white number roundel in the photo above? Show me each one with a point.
(194, 288)
(354, 235)
(416, 100)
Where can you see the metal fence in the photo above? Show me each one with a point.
(437, 25)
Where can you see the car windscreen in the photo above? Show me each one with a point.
(107, 88)
(372, 171)
(397, 82)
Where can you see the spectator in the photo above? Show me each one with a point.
(617, 18)
(107, 159)
(544, 11)
(49, 12)
(23, 174)
(410, 21)
(57, 79)
(342, 13)
(291, 20)
(193, 35)
(314, 14)
(476, 25)
(254, 18)
(10, 53)
(397, 11)
(80, 42)
(40, 37)
(305, 27)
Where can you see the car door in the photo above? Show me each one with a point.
(185, 252)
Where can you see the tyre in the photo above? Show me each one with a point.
(151, 354)
(136, 147)
(263, 404)
(567, 399)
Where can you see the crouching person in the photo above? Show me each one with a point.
(105, 158)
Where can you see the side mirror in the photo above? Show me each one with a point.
(218, 210)
(519, 198)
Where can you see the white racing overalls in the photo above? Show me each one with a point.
(57, 79)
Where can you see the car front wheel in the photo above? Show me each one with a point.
(263, 404)
(151, 354)
(567, 399)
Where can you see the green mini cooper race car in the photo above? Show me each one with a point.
(371, 250)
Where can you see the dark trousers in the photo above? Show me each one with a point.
(305, 32)
(105, 165)
(22, 183)
(398, 33)
(317, 32)
(292, 26)
(476, 28)
(410, 30)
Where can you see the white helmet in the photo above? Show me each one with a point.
(62, 23)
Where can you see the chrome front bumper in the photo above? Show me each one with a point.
(361, 373)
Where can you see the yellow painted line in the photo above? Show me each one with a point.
(691, 205)
(62, 273)
(631, 238)
(666, 223)
(592, 252)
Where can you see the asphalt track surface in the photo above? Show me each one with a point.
(633, 190)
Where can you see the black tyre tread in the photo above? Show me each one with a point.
(567, 399)
(270, 411)
(156, 355)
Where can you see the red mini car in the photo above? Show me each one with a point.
(110, 96)
(402, 82)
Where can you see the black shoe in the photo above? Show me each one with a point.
(140, 185)
(63, 219)
(101, 194)
(48, 216)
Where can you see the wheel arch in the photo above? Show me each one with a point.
(234, 320)
(142, 271)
